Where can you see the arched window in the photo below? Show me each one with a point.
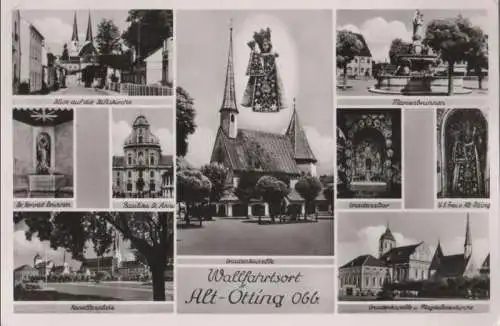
(129, 159)
(129, 174)
(152, 174)
(152, 159)
(232, 117)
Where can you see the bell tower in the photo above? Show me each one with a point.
(229, 111)
(386, 242)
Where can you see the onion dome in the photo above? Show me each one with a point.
(387, 235)
(141, 135)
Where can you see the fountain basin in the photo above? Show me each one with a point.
(46, 183)
(418, 85)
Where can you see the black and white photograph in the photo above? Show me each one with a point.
(413, 256)
(92, 52)
(412, 52)
(93, 256)
(254, 133)
(143, 146)
(43, 146)
(369, 153)
(462, 160)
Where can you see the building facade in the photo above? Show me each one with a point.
(143, 171)
(362, 65)
(16, 51)
(366, 274)
(31, 71)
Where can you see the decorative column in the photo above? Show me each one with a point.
(303, 209)
(229, 209)
(249, 210)
(266, 209)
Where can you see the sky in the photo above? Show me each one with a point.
(358, 233)
(25, 251)
(380, 27)
(57, 25)
(161, 125)
(303, 40)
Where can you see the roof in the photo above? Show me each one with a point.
(300, 145)
(387, 235)
(101, 262)
(131, 264)
(276, 152)
(453, 265)
(26, 268)
(167, 160)
(436, 259)
(43, 264)
(58, 269)
(229, 99)
(364, 260)
(486, 263)
(399, 254)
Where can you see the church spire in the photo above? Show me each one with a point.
(229, 99)
(301, 149)
(89, 37)
(74, 37)
(468, 240)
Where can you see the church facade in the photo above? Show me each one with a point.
(265, 153)
(366, 274)
(143, 171)
(80, 54)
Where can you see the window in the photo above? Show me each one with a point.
(129, 186)
(129, 174)
(232, 117)
(152, 159)
(129, 159)
(152, 186)
(368, 60)
(152, 174)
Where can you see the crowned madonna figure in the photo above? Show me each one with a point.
(467, 172)
(264, 91)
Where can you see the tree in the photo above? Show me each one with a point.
(452, 40)
(108, 37)
(398, 47)
(148, 29)
(308, 188)
(193, 189)
(185, 120)
(273, 191)
(477, 56)
(245, 191)
(65, 53)
(328, 193)
(151, 233)
(348, 47)
(217, 173)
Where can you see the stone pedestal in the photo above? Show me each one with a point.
(418, 86)
(46, 183)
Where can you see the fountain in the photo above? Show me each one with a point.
(416, 72)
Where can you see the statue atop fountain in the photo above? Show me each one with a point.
(418, 23)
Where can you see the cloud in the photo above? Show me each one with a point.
(379, 34)
(166, 140)
(54, 29)
(481, 21)
(322, 147)
(121, 130)
(200, 145)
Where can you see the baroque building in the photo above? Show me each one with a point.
(143, 171)
(286, 155)
(366, 274)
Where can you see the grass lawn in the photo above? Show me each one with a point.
(233, 236)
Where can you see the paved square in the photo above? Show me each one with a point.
(226, 236)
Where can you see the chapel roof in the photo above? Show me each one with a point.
(452, 265)
(364, 260)
(298, 139)
(398, 254)
(387, 235)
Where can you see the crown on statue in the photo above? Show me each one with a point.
(264, 35)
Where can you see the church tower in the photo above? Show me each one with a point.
(468, 240)
(229, 111)
(302, 153)
(74, 36)
(89, 37)
(386, 242)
